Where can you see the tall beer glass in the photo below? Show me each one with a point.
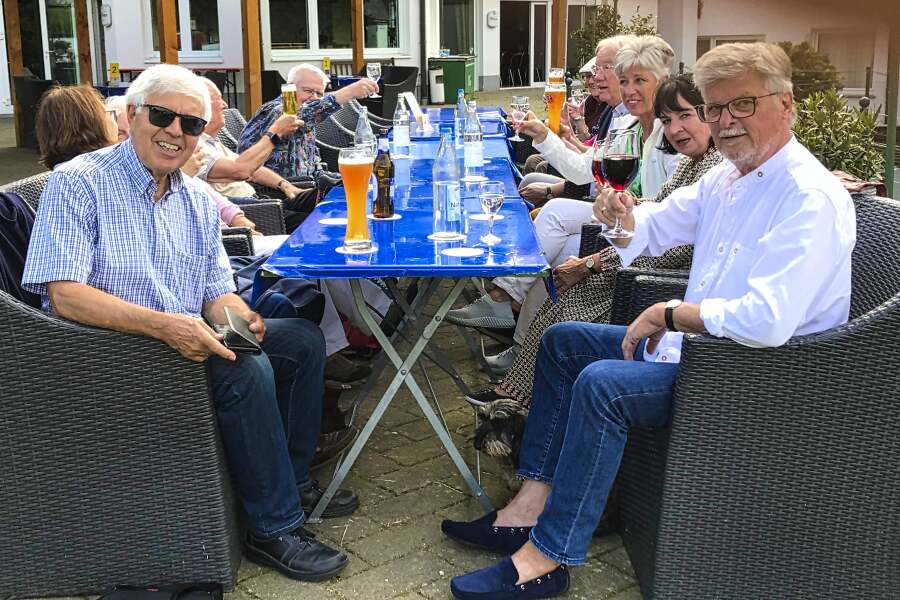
(355, 165)
(556, 75)
(289, 98)
(556, 98)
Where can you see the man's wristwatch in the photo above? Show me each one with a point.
(273, 137)
(671, 305)
(589, 263)
(548, 193)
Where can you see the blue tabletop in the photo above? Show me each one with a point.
(403, 245)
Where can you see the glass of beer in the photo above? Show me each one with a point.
(289, 98)
(555, 93)
(556, 75)
(355, 166)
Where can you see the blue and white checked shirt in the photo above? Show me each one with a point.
(98, 224)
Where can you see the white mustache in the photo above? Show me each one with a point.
(730, 133)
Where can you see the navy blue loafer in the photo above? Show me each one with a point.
(483, 534)
(498, 582)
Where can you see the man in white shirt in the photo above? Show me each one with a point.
(773, 232)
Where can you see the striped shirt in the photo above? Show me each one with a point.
(98, 224)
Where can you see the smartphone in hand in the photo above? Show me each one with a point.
(237, 335)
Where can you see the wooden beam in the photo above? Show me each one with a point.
(558, 34)
(167, 28)
(893, 79)
(16, 64)
(357, 35)
(83, 42)
(252, 58)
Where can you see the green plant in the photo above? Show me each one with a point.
(842, 138)
(813, 70)
(602, 22)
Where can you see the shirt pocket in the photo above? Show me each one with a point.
(189, 281)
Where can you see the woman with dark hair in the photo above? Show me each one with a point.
(71, 120)
(586, 295)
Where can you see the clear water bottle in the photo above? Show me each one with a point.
(401, 129)
(473, 146)
(448, 217)
(364, 137)
(460, 115)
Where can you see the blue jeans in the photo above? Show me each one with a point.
(585, 399)
(269, 408)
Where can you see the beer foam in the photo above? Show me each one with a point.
(356, 160)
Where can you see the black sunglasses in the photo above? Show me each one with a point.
(163, 117)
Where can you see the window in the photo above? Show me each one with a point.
(851, 52)
(322, 25)
(705, 44)
(457, 26)
(196, 24)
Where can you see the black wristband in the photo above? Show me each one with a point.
(273, 137)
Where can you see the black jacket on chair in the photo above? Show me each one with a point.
(16, 222)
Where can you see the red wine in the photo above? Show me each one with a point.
(620, 170)
(597, 171)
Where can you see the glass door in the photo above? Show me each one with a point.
(60, 46)
(540, 25)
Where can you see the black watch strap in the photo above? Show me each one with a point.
(670, 318)
(273, 137)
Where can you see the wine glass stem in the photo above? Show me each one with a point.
(491, 226)
(617, 226)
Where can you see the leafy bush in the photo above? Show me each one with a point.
(603, 22)
(842, 138)
(813, 70)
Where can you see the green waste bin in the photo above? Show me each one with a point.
(459, 72)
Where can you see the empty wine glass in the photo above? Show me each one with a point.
(621, 164)
(518, 111)
(373, 72)
(490, 194)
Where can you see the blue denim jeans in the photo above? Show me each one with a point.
(269, 408)
(586, 397)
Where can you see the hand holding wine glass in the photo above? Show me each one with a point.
(519, 108)
(620, 166)
(373, 72)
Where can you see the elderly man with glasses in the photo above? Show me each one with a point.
(295, 157)
(773, 231)
(124, 241)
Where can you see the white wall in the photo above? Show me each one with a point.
(128, 40)
(489, 52)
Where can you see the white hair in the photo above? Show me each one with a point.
(167, 79)
(650, 52)
(209, 82)
(307, 67)
(116, 103)
(616, 41)
(730, 61)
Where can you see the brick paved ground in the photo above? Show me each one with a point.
(407, 484)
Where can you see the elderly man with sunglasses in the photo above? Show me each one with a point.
(124, 241)
(296, 157)
(773, 231)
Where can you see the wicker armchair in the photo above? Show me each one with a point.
(777, 477)
(112, 467)
(29, 188)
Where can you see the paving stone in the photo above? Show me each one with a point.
(602, 546)
(619, 559)
(400, 576)
(632, 593)
(274, 586)
(414, 453)
(238, 594)
(597, 580)
(428, 499)
(400, 540)
(248, 570)
(340, 532)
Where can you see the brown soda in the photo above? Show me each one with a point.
(384, 174)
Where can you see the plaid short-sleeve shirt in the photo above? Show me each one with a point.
(98, 224)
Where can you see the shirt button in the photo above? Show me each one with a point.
(702, 283)
(664, 358)
(759, 173)
(721, 248)
(736, 250)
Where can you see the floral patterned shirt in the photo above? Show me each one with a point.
(296, 157)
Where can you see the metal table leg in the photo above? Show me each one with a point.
(403, 376)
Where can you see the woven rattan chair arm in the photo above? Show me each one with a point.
(267, 214)
(638, 289)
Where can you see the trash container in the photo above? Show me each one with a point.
(436, 84)
(459, 72)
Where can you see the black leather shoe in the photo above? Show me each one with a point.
(296, 554)
(483, 534)
(331, 445)
(342, 504)
(343, 370)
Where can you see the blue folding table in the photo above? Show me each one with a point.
(404, 250)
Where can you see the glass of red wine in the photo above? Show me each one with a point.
(620, 166)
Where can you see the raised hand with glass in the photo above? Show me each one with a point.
(518, 110)
(620, 164)
(373, 72)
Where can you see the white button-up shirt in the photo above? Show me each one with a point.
(771, 249)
